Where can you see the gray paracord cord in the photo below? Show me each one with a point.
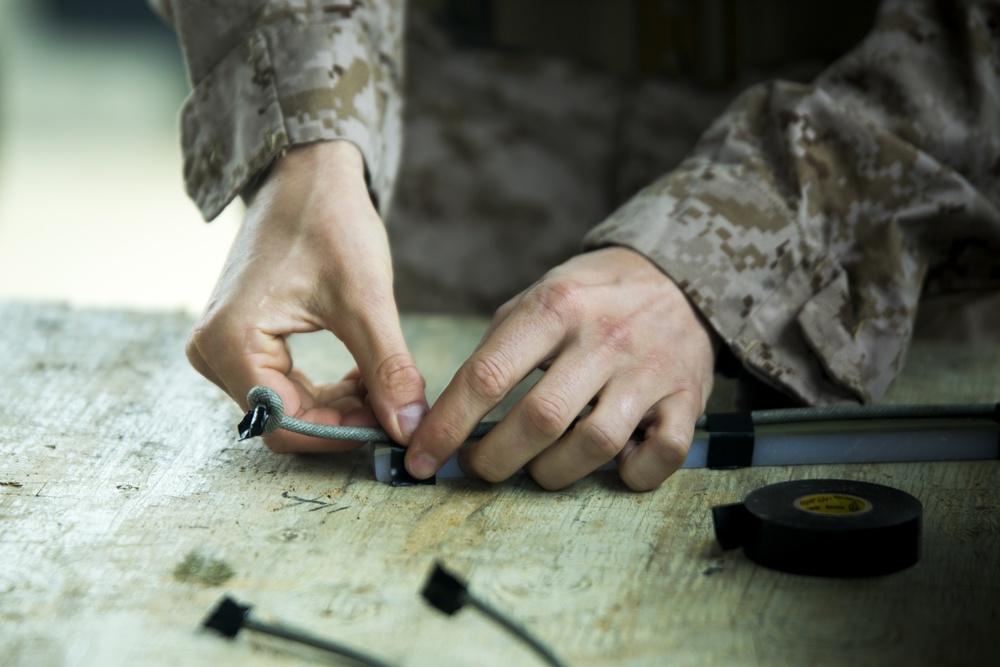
(278, 419)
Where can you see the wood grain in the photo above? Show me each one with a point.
(119, 465)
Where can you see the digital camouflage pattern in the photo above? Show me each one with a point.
(270, 75)
(810, 218)
(805, 225)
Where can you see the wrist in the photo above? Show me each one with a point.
(333, 167)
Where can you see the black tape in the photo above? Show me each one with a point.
(730, 440)
(397, 471)
(253, 422)
(823, 527)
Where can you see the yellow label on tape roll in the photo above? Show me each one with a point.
(833, 503)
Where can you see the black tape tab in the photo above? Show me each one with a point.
(397, 471)
(730, 440)
(253, 422)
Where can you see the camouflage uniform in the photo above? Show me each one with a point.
(270, 75)
(805, 225)
(809, 219)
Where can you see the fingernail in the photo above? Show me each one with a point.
(421, 466)
(410, 417)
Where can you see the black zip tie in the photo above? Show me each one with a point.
(229, 617)
(447, 593)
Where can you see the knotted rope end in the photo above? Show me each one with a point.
(265, 415)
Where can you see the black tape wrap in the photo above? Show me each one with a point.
(830, 528)
(398, 476)
(730, 440)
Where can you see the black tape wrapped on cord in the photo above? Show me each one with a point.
(730, 440)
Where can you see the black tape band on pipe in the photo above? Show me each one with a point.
(399, 475)
(730, 440)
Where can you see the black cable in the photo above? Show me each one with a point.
(447, 593)
(516, 629)
(229, 617)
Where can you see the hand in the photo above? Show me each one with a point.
(312, 254)
(607, 325)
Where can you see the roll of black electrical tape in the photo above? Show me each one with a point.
(824, 527)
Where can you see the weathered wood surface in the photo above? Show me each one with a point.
(119, 470)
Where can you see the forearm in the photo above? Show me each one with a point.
(808, 220)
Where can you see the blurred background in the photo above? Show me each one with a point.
(528, 122)
(92, 206)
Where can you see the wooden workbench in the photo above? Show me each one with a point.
(127, 508)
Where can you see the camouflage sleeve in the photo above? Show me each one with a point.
(810, 218)
(270, 74)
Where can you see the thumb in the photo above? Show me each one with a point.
(395, 386)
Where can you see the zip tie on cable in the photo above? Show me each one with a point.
(447, 593)
(228, 617)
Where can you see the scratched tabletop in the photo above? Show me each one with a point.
(128, 508)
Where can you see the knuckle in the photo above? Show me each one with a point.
(689, 393)
(560, 299)
(487, 468)
(654, 365)
(597, 441)
(194, 348)
(546, 482)
(398, 374)
(491, 376)
(616, 335)
(444, 434)
(673, 443)
(547, 415)
(667, 448)
(639, 482)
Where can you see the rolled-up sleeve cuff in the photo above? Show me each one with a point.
(282, 86)
(763, 290)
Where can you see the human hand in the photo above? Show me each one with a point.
(312, 254)
(607, 325)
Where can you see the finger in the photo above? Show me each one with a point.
(260, 358)
(516, 347)
(666, 444)
(328, 392)
(334, 404)
(595, 440)
(388, 373)
(501, 314)
(199, 363)
(540, 418)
